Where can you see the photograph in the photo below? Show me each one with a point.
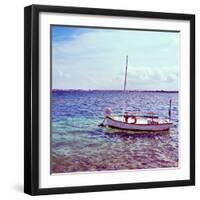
(109, 99)
(114, 99)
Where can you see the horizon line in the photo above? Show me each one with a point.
(133, 90)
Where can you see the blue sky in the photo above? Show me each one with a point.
(89, 58)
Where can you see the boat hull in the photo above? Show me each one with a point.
(137, 127)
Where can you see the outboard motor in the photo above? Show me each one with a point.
(107, 112)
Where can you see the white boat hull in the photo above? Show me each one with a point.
(110, 122)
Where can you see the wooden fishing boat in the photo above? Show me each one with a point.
(148, 122)
(141, 124)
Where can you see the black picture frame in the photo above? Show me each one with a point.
(31, 98)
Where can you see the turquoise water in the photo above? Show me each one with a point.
(78, 144)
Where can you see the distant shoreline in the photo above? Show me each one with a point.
(95, 90)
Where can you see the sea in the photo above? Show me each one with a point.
(78, 144)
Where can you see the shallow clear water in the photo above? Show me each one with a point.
(78, 144)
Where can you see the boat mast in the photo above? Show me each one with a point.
(124, 107)
(126, 73)
(170, 108)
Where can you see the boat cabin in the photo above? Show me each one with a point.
(139, 118)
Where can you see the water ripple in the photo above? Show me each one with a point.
(78, 144)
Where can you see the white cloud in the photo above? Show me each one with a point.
(96, 60)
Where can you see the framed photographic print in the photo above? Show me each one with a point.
(109, 99)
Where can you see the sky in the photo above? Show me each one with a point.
(95, 58)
